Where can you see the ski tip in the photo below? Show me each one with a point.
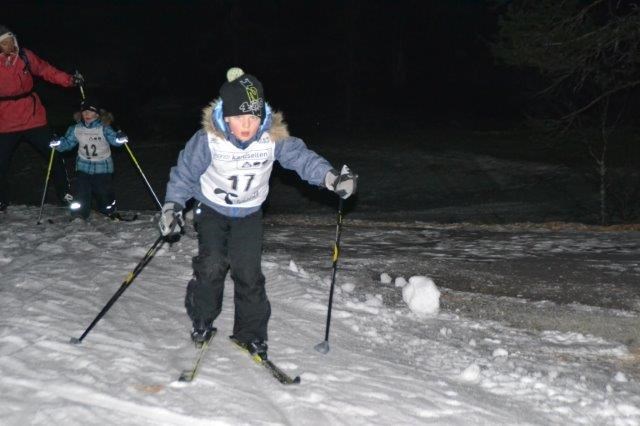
(75, 341)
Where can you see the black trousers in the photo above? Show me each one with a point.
(39, 139)
(99, 186)
(229, 243)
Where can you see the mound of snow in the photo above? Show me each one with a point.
(471, 373)
(421, 295)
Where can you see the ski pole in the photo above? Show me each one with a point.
(132, 275)
(323, 347)
(133, 158)
(46, 184)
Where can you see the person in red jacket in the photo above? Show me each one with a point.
(22, 115)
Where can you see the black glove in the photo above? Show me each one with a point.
(78, 79)
(343, 183)
(171, 221)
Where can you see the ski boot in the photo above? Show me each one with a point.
(202, 331)
(115, 216)
(258, 347)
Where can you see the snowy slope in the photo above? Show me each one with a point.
(387, 364)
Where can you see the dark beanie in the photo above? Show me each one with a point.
(242, 94)
(89, 105)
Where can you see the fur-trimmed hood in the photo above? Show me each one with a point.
(273, 123)
(11, 58)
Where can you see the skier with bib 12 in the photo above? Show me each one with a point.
(93, 136)
(225, 167)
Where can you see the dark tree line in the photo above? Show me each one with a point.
(586, 57)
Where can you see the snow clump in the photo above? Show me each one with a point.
(373, 300)
(400, 282)
(471, 373)
(500, 352)
(620, 377)
(421, 295)
(348, 287)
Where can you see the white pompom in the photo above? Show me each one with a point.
(234, 73)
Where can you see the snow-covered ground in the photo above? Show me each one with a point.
(497, 351)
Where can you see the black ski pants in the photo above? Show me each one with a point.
(99, 186)
(39, 139)
(229, 243)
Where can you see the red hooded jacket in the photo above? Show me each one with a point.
(15, 80)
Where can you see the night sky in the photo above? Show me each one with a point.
(348, 64)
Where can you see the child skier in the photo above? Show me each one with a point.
(226, 166)
(94, 165)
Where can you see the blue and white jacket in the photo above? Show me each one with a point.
(232, 177)
(93, 140)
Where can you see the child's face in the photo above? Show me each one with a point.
(244, 127)
(88, 116)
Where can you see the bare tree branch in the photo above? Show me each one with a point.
(601, 97)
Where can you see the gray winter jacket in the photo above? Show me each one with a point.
(290, 152)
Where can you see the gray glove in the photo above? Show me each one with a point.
(78, 79)
(171, 221)
(343, 183)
